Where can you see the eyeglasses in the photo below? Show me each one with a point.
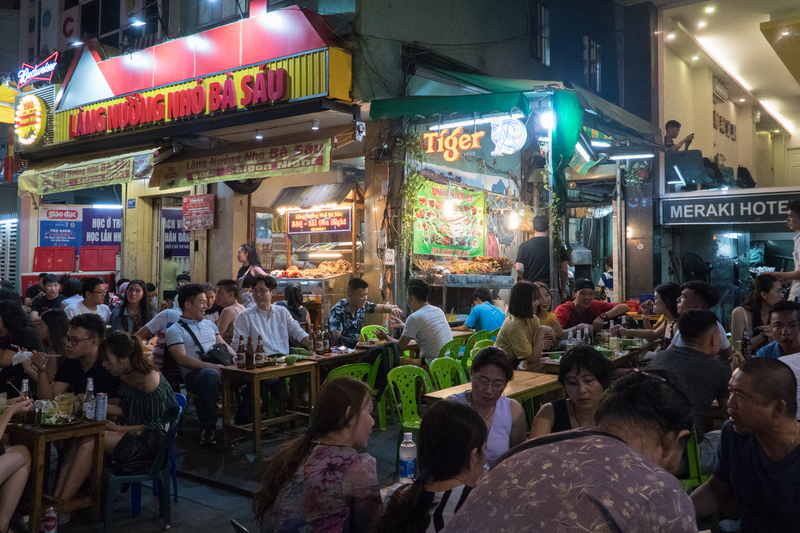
(261, 291)
(73, 341)
(99, 292)
(485, 383)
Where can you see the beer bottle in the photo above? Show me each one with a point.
(319, 344)
(326, 339)
(249, 359)
(240, 353)
(89, 401)
(260, 355)
(747, 348)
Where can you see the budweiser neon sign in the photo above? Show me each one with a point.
(43, 71)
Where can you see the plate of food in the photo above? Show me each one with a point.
(53, 419)
(430, 214)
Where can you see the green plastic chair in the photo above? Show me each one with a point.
(442, 371)
(404, 378)
(452, 349)
(359, 371)
(475, 337)
(493, 335)
(368, 332)
(484, 343)
(373, 376)
(159, 473)
(695, 478)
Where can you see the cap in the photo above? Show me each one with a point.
(407, 436)
(583, 283)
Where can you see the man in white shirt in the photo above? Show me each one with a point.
(70, 290)
(94, 293)
(273, 322)
(426, 324)
(793, 277)
(201, 378)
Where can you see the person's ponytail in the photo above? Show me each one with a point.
(406, 512)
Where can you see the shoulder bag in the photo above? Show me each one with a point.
(217, 355)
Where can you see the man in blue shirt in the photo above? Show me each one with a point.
(784, 326)
(484, 315)
(759, 457)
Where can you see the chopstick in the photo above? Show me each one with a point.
(8, 381)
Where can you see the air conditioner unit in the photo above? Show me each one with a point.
(720, 92)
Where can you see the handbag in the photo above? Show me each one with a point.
(217, 355)
(136, 450)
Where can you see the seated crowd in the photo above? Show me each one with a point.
(608, 456)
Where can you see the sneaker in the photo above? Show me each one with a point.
(208, 436)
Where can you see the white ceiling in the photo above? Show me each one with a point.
(733, 38)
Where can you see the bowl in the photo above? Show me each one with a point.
(604, 351)
(290, 360)
(624, 344)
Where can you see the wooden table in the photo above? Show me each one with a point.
(330, 360)
(36, 439)
(525, 386)
(254, 378)
(631, 358)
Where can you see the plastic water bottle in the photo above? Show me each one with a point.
(578, 338)
(408, 459)
(586, 338)
(570, 341)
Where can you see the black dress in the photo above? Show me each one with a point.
(561, 416)
(248, 279)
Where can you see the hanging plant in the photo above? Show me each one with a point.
(558, 219)
(411, 146)
(635, 176)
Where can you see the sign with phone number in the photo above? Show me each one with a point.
(323, 221)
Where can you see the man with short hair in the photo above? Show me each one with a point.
(484, 315)
(182, 281)
(673, 128)
(584, 309)
(51, 299)
(706, 379)
(759, 458)
(82, 362)
(169, 277)
(71, 291)
(783, 323)
(533, 257)
(35, 290)
(151, 295)
(347, 316)
(427, 325)
(793, 277)
(94, 293)
(700, 295)
(201, 378)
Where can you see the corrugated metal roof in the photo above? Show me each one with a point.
(312, 195)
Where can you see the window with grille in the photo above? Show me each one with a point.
(591, 64)
(8, 249)
(539, 32)
(218, 12)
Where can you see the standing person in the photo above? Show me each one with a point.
(533, 257)
(673, 129)
(51, 299)
(321, 481)
(522, 338)
(700, 295)
(594, 480)
(545, 313)
(228, 299)
(169, 277)
(793, 277)
(16, 334)
(584, 309)
(53, 328)
(585, 375)
(35, 291)
(447, 471)
(273, 322)
(783, 321)
(346, 317)
(426, 324)
(94, 291)
(753, 315)
(665, 303)
(134, 311)
(71, 291)
(605, 287)
(759, 457)
(201, 378)
(504, 417)
(251, 267)
(15, 466)
(484, 315)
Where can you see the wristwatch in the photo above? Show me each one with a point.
(604, 316)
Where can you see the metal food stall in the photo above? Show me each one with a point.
(313, 221)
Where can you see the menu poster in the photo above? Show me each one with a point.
(198, 212)
(461, 234)
(320, 221)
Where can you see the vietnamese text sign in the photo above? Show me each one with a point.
(727, 209)
(102, 227)
(198, 212)
(320, 221)
(175, 238)
(95, 174)
(460, 233)
(78, 225)
(301, 158)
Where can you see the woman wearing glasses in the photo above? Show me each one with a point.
(585, 374)
(504, 417)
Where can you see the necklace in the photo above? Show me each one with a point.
(797, 426)
(575, 413)
(485, 418)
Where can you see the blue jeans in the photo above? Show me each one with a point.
(205, 382)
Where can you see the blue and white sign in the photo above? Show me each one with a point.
(78, 225)
(175, 238)
(102, 227)
(509, 135)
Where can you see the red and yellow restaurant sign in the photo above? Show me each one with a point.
(30, 119)
(293, 78)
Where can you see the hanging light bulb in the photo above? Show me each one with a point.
(513, 220)
(448, 208)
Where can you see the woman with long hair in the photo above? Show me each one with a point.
(585, 374)
(522, 337)
(251, 266)
(293, 301)
(447, 470)
(753, 315)
(134, 311)
(545, 314)
(665, 303)
(320, 481)
(53, 331)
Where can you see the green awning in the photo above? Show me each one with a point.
(427, 107)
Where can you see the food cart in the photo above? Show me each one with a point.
(321, 226)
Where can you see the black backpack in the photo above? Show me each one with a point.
(743, 178)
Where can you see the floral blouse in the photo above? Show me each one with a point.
(341, 319)
(585, 483)
(335, 491)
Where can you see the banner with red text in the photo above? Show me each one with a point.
(299, 158)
